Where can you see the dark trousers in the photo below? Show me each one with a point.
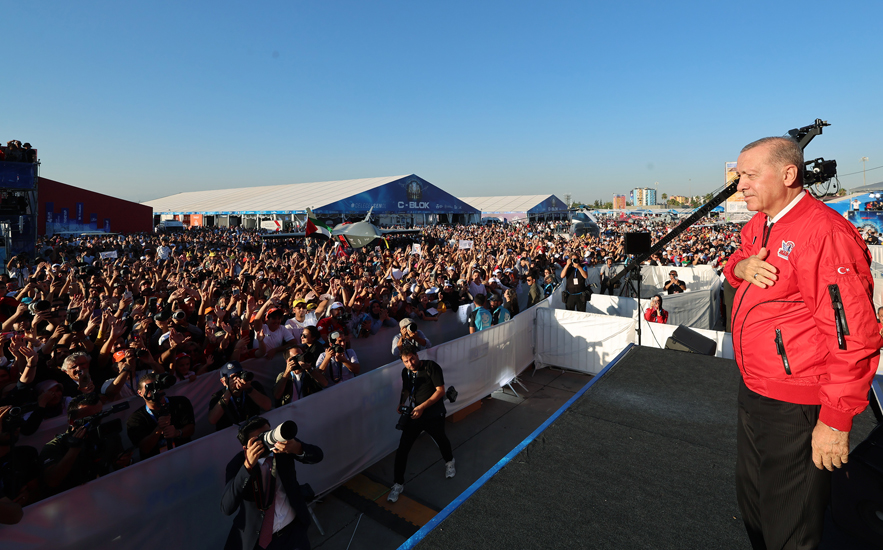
(575, 302)
(435, 427)
(292, 537)
(606, 288)
(781, 494)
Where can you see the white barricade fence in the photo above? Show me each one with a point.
(179, 491)
(698, 308)
(583, 342)
(876, 252)
(373, 352)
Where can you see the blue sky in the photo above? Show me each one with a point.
(143, 100)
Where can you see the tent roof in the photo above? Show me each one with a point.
(867, 188)
(506, 203)
(268, 198)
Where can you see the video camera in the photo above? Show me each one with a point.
(154, 391)
(94, 425)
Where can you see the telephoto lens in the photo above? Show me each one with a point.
(283, 432)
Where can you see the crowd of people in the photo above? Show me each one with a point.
(93, 321)
(14, 151)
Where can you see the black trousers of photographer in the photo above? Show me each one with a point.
(435, 427)
(575, 301)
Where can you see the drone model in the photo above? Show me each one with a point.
(357, 235)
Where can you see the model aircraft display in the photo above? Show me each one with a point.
(584, 223)
(357, 235)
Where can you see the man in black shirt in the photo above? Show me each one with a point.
(674, 285)
(575, 292)
(423, 392)
(162, 423)
(241, 399)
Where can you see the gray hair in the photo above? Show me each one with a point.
(784, 151)
(71, 359)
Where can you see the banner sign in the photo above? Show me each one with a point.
(108, 255)
(866, 220)
(411, 194)
(79, 212)
(465, 245)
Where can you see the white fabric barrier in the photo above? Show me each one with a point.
(876, 252)
(700, 309)
(352, 422)
(583, 342)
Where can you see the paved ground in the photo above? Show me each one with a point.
(357, 515)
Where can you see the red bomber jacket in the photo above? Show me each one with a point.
(785, 337)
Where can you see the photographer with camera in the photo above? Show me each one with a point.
(297, 381)
(242, 397)
(262, 487)
(164, 422)
(675, 285)
(338, 363)
(421, 408)
(89, 449)
(575, 292)
(409, 334)
(19, 468)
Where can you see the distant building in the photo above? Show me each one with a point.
(680, 199)
(644, 196)
(619, 202)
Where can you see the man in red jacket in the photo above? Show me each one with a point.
(805, 338)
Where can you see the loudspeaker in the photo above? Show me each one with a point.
(685, 339)
(857, 491)
(637, 243)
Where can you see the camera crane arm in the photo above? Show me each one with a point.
(801, 135)
(700, 213)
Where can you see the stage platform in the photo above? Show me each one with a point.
(642, 457)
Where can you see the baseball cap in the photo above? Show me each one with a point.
(233, 367)
(181, 356)
(405, 322)
(273, 310)
(336, 305)
(298, 303)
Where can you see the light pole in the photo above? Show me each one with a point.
(864, 161)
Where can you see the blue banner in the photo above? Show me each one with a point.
(93, 222)
(411, 194)
(552, 204)
(50, 208)
(79, 212)
(64, 215)
(18, 175)
(107, 225)
(871, 220)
